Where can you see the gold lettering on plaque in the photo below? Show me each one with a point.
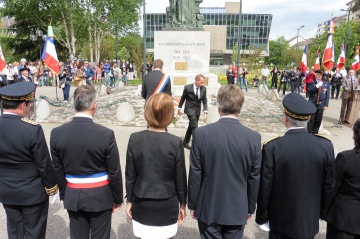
(206, 82)
(180, 80)
(181, 66)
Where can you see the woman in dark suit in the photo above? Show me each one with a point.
(275, 73)
(155, 174)
(343, 217)
(230, 75)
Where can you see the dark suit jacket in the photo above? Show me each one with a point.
(193, 104)
(82, 147)
(324, 94)
(21, 79)
(155, 166)
(297, 178)
(344, 210)
(151, 81)
(25, 164)
(224, 174)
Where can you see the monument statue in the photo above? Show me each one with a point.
(184, 15)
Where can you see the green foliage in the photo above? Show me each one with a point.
(124, 54)
(277, 49)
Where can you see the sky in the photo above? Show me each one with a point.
(288, 15)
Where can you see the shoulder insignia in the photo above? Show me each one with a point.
(322, 136)
(267, 141)
(29, 121)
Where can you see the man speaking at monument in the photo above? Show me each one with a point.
(156, 81)
(87, 167)
(297, 176)
(193, 94)
(350, 83)
(224, 173)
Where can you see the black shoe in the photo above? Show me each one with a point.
(186, 145)
(340, 122)
(336, 98)
(346, 122)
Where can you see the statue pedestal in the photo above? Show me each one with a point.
(185, 54)
(355, 109)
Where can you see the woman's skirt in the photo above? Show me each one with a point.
(155, 218)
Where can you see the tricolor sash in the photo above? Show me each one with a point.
(87, 181)
(164, 80)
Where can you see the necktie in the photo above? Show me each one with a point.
(351, 82)
(197, 93)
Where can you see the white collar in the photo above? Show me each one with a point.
(230, 117)
(9, 113)
(83, 115)
(295, 128)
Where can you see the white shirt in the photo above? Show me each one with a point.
(83, 115)
(195, 88)
(343, 72)
(295, 128)
(265, 72)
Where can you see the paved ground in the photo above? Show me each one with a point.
(57, 227)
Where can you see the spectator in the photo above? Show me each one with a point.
(40, 73)
(310, 77)
(33, 73)
(265, 74)
(123, 67)
(275, 73)
(336, 82)
(89, 72)
(235, 70)
(243, 72)
(149, 67)
(23, 64)
(112, 76)
(117, 72)
(230, 75)
(9, 74)
(343, 214)
(106, 72)
(65, 80)
(350, 84)
(343, 71)
(46, 76)
(284, 78)
(256, 81)
(98, 73)
(294, 75)
(130, 69)
(155, 174)
(15, 69)
(80, 76)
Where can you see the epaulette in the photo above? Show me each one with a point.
(29, 121)
(267, 141)
(322, 136)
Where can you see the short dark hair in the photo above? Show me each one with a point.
(10, 104)
(158, 63)
(230, 99)
(159, 110)
(85, 97)
(356, 130)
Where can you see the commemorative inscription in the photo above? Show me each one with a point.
(180, 80)
(181, 66)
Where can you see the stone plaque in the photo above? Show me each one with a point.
(206, 82)
(180, 80)
(181, 66)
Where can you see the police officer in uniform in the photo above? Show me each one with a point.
(319, 95)
(26, 174)
(297, 176)
(24, 72)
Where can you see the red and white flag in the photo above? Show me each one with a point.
(303, 64)
(2, 60)
(356, 64)
(341, 60)
(317, 62)
(50, 57)
(328, 62)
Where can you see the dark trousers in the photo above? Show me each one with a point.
(217, 231)
(193, 124)
(282, 83)
(66, 91)
(274, 83)
(27, 221)
(293, 85)
(337, 87)
(83, 223)
(334, 233)
(345, 111)
(276, 235)
(315, 121)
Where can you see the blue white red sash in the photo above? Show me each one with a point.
(87, 181)
(164, 80)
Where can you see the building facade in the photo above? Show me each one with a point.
(223, 25)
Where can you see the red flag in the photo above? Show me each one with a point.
(303, 64)
(341, 60)
(328, 53)
(2, 60)
(317, 62)
(356, 65)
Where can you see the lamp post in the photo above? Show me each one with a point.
(116, 42)
(144, 35)
(239, 42)
(297, 37)
(347, 27)
(38, 37)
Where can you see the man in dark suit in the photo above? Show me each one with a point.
(152, 80)
(297, 176)
(193, 94)
(26, 175)
(87, 167)
(319, 95)
(350, 83)
(24, 75)
(224, 174)
(89, 72)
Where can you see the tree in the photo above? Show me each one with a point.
(124, 54)
(277, 50)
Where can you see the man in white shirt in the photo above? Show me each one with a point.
(265, 74)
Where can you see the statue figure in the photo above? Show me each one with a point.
(184, 15)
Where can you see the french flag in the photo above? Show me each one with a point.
(317, 62)
(2, 61)
(341, 60)
(50, 57)
(303, 64)
(328, 53)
